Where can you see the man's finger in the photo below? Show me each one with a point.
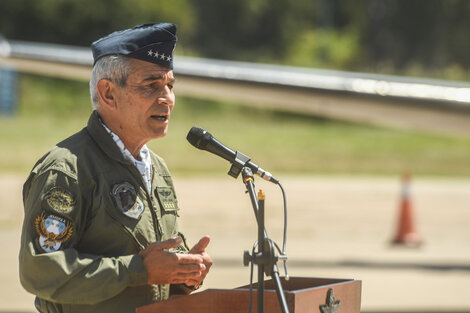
(191, 269)
(190, 259)
(189, 282)
(167, 244)
(161, 245)
(201, 245)
(195, 277)
(192, 282)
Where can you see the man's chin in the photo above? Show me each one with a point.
(159, 133)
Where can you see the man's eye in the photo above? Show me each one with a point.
(171, 86)
(153, 87)
(150, 88)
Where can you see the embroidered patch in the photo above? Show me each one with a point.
(127, 200)
(60, 200)
(53, 231)
(167, 198)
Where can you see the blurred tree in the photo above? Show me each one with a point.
(324, 48)
(253, 30)
(236, 28)
(408, 34)
(389, 36)
(82, 22)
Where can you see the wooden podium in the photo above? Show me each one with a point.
(303, 295)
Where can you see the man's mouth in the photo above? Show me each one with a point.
(160, 117)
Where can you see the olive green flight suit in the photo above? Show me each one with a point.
(87, 215)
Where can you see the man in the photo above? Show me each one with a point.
(100, 230)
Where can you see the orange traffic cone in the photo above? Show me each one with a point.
(406, 231)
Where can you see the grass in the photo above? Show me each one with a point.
(52, 109)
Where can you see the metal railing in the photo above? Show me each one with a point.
(457, 93)
(391, 101)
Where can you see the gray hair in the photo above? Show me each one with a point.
(116, 68)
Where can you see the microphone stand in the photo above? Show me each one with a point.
(265, 258)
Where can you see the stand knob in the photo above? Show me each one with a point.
(246, 258)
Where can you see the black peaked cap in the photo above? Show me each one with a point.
(148, 42)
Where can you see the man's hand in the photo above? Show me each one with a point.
(164, 267)
(200, 249)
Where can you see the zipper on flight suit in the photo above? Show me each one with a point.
(156, 224)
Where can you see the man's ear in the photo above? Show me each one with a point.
(107, 93)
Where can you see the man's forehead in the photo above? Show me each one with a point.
(145, 70)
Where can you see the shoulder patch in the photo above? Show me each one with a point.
(60, 200)
(127, 201)
(53, 231)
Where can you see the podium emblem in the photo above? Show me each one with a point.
(331, 305)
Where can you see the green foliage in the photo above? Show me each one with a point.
(325, 49)
(82, 22)
(44, 96)
(404, 37)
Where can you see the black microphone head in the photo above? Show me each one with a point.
(198, 137)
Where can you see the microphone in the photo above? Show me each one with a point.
(203, 140)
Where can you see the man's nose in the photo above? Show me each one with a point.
(165, 96)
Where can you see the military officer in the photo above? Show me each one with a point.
(100, 231)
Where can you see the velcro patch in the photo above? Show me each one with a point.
(60, 200)
(167, 198)
(127, 201)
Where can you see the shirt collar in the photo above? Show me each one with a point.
(143, 165)
(143, 154)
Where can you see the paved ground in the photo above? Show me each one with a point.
(339, 227)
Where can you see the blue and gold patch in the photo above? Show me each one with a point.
(127, 201)
(60, 200)
(53, 231)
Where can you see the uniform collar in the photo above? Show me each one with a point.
(103, 138)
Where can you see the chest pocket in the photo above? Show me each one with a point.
(127, 207)
(169, 213)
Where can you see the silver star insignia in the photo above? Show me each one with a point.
(168, 58)
(150, 53)
(162, 56)
(156, 54)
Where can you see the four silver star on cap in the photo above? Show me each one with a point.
(158, 55)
